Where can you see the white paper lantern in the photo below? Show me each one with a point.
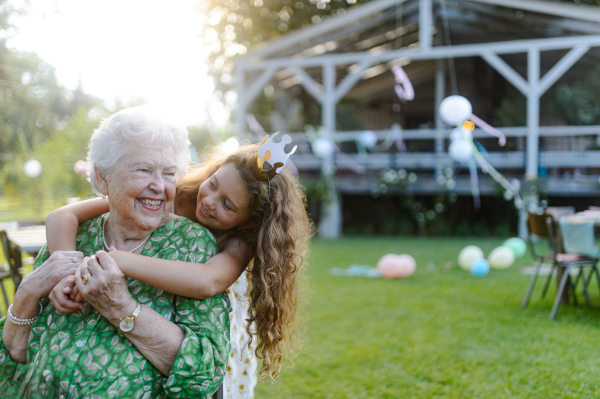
(461, 150)
(368, 138)
(454, 110)
(322, 147)
(32, 168)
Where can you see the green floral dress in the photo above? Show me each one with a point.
(82, 355)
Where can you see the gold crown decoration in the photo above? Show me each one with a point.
(270, 157)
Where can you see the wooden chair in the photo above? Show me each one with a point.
(13, 259)
(538, 227)
(4, 273)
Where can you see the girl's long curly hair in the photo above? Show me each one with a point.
(278, 247)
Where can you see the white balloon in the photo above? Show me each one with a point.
(457, 134)
(501, 258)
(461, 150)
(368, 138)
(454, 110)
(322, 147)
(468, 255)
(32, 168)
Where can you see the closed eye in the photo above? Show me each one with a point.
(226, 206)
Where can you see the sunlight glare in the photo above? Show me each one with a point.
(125, 49)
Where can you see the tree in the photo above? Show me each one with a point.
(234, 26)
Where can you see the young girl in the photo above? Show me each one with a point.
(262, 227)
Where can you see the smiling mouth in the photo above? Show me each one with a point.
(204, 211)
(151, 204)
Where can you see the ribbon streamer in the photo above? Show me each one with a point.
(474, 184)
(403, 87)
(254, 125)
(498, 177)
(489, 129)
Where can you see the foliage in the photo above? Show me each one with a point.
(441, 333)
(57, 155)
(234, 26)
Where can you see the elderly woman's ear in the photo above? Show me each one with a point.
(101, 181)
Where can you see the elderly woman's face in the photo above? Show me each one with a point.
(141, 189)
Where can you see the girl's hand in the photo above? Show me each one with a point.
(60, 296)
(42, 280)
(105, 287)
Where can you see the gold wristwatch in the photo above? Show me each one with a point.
(127, 323)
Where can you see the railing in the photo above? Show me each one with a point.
(305, 160)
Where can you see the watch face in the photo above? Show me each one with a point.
(126, 324)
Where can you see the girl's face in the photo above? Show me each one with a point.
(222, 202)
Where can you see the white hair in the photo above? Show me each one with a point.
(125, 131)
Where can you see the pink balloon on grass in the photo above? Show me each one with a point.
(396, 266)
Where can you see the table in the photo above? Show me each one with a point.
(29, 239)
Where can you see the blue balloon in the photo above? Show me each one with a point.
(480, 268)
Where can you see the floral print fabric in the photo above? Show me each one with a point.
(82, 355)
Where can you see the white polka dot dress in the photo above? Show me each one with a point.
(240, 378)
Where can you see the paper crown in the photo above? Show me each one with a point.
(270, 157)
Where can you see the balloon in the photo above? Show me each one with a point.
(461, 150)
(501, 258)
(80, 168)
(396, 266)
(454, 110)
(368, 138)
(322, 147)
(480, 268)
(517, 245)
(457, 134)
(468, 256)
(32, 168)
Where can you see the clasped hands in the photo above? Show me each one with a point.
(99, 281)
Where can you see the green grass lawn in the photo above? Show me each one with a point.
(441, 333)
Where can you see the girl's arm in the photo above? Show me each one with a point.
(62, 224)
(192, 280)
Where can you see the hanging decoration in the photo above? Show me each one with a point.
(81, 168)
(254, 125)
(457, 111)
(32, 168)
(403, 87)
(321, 149)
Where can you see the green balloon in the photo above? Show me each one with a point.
(517, 245)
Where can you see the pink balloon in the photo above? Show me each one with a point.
(396, 266)
(80, 168)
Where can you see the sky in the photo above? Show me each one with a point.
(125, 49)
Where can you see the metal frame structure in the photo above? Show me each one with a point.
(328, 94)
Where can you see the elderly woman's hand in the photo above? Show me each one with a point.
(60, 264)
(105, 287)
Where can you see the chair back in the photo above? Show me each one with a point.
(541, 226)
(12, 258)
(538, 224)
(577, 235)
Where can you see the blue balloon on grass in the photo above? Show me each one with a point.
(480, 268)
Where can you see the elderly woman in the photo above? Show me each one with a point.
(130, 340)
